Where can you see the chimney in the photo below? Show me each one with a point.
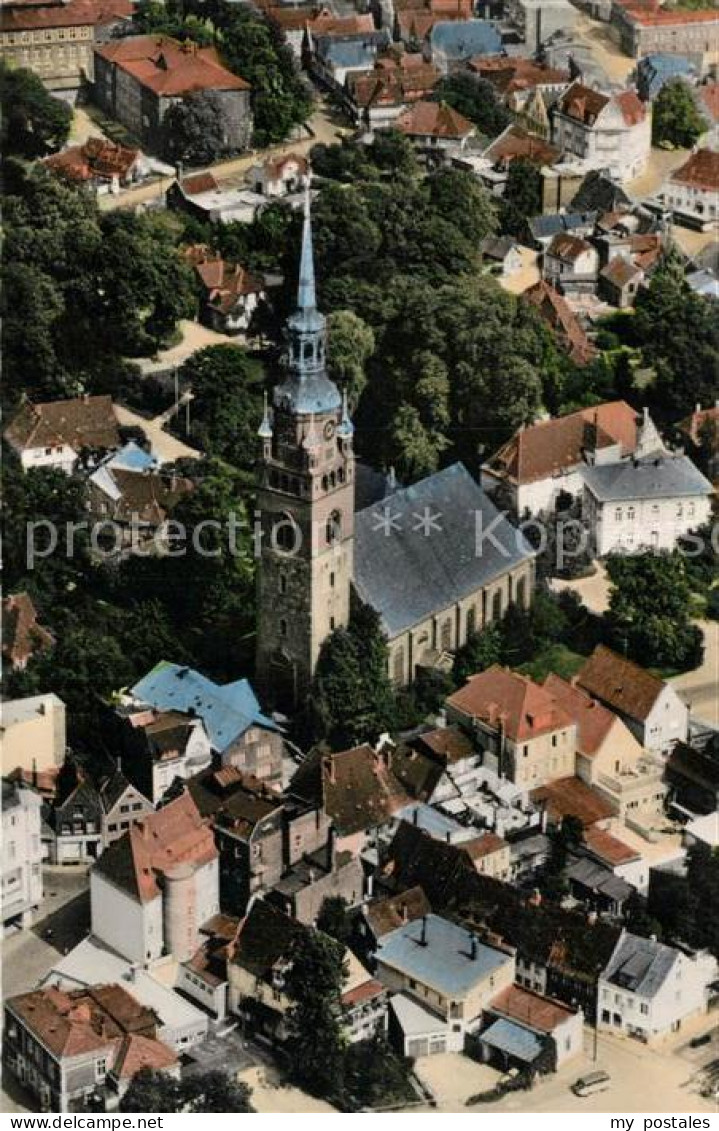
(370, 885)
(423, 932)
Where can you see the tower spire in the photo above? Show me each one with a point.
(306, 291)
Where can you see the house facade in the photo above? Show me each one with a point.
(603, 131)
(138, 79)
(649, 990)
(692, 189)
(58, 433)
(22, 853)
(643, 29)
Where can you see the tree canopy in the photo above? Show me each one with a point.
(196, 129)
(204, 1093)
(317, 1043)
(32, 122)
(676, 118)
(476, 99)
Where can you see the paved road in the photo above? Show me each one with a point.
(700, 688)
(326, 129)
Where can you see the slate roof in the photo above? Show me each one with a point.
(668, 477)
(513, 1039)
(640, 965)
(542, 227)
(463, 39)
(503, 698)
(623, 685)
(350, 53)
(408, 575)
(226, 710)
(445, 960)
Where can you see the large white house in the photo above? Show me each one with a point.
(153, 888)
(58, 433)
(644, 504)
(649, 990)
(603, 131)
(22, 853)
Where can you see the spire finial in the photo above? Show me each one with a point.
(265, 429)
(346, 427)
(306, 296)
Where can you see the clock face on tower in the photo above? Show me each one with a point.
(329, 430)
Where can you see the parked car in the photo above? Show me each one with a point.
(591, 1083)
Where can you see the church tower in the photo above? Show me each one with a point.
(305, 505)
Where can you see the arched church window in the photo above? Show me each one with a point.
(497, 606)
(286, 534)
(471, 621)
(333, 528)
(446, 636)
(398, 666)
(307, 351)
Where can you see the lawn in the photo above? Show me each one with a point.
(556, 658)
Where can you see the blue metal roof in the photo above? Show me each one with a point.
(462, 39)
(514, 1039)
(445, 960)
(227, 712)
(422, 549)
(133, 458)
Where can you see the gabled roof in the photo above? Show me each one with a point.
(96, 157)
(656, 477)
(84, 422)
(609, 849)
(434, 119)
(620, 271)
(570, 797)
(226, 710)
(358, 787)
(71, 13)
(169, 68)
(623, 685)
(549, 446)
(568, 247)
(136, 1052)
(264, 937)
(507, 73)
(84, 1021)
(176, 834)
(505, 699)
(555, 311)
(640, 965)
(449, 744)
(594, 722)
(233, 799)
(441, 954)
(700, 171)
(585, 105)
(544, 1014)
(385, 915)
(22, 635)
(407, 575)
(517, 142)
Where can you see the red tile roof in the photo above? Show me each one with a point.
(364, 992)
(516, 142)
(72, 13)
(137, 1052)
(594, 722)
(77, 1022)
(556, 312)
(175, 834)
(651, 15)
(85, 422)
(170, 68)
(584, 104)
(448, 743)
(709, 94)
(360, 789)
(568, 247)
(551, 446)
(503, 698)
(609, 848)
(385, 915)
(537, 1012)
(633, 109)
(619, 682)
(701, 171)
(95, 158)
(571, 797)
(508, 74)
(197, 183)
(394, 81)
(22, 635)
(434, 119)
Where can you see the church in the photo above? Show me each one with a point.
(436, 560)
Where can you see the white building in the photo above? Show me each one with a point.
(612, 132)
(537, 20)
(650, 707)
(693, 189)
(644, 504)
(56, 433)
(21, 854)
(649, 990)
(153, 888)
(280, 176)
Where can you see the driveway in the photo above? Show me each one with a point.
(165, 447)
(594, 590)
(700, 688)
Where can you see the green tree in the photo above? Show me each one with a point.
(476, 99)
(196, 129)
(317, 1044)
(333, 919)
(417, 448)
(648, 615)
(481, 650)
(676, 118)
(226, 407)
(351, 343)
(459, 197)
(153, 1091)
(351, 699)
(33, 123)
(216, 1092)
(522, 195)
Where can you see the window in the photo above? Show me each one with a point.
(332, 624)
(332, 581)
(554, 740)
(618, 514)
(286, 535)
(100, 1068)
(333, 528)
(630, 514)
(644, 1008)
